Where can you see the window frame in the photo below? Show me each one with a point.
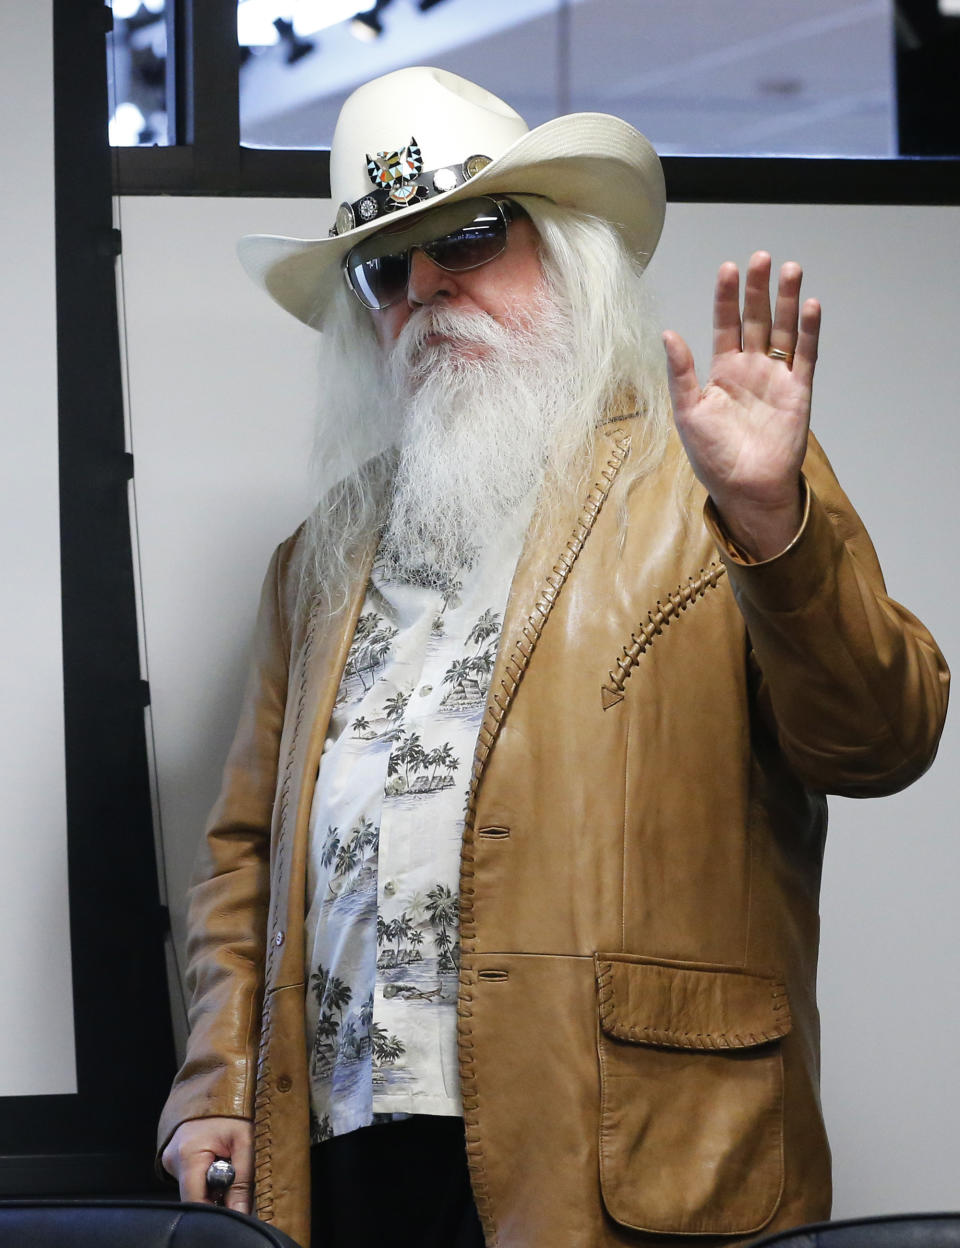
(100, 1139)
(209, 159)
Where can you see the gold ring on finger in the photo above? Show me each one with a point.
(776, 353)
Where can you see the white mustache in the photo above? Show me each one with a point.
(465, 329)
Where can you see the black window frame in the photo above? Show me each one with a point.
(209, 159)
(100, 1139)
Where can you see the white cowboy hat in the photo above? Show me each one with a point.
(419, 137)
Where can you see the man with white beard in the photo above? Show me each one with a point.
(506, 931)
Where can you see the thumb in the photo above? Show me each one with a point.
(681, 375)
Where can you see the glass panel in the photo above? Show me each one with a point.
(733, 77)
(797, 78)
(137, 74)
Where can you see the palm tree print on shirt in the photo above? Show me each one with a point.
(330, 846)
(372, 639)
(443, 909)
(386, 1048)
(344, 1039)
(414, 771)
(320, 1128)
(469, 677)
(332, 995)
(402, 932)
(451, 598)
(347, 859)
(393, 709)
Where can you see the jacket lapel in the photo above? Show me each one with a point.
(545, 563)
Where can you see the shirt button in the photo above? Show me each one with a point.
(279, 939)
(390, 888)
(284, 1083)
(425, 690)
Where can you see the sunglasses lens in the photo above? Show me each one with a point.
(472, 233)
(380, 280)
(476, 243)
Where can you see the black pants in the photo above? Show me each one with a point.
(396, 1185)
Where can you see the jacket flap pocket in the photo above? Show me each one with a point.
(691, 1095)
(673, 1005)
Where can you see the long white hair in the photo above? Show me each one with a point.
(616, 355)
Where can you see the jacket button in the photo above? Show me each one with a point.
(279, 939)
(284, 1083)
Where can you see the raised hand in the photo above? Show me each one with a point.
(745, 432)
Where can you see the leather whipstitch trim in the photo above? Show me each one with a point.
(640, 641)
(497, 708)
(263, 1139)
(685, 1039)
(522, 649)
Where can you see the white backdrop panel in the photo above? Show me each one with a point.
(37, 1054)
(221, 386)
(220, 402)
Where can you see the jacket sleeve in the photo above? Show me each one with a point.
(227, 914)
(854, 685)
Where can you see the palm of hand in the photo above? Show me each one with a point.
(745, 433)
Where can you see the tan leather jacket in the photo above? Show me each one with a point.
(638, 1028)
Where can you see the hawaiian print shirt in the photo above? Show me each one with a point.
(382, 927)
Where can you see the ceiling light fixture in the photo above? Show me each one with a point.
(366, 27)
(255, 28)
(296, 47)
(124, 10)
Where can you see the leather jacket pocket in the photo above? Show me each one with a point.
(691, 1120)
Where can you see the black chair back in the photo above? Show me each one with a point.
(130, 1224)
(918, 1230)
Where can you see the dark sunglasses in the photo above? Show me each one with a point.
(459, 237)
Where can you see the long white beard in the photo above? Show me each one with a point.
(481, 416)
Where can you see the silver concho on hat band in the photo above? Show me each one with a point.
(474, 165)
(346, 218)
(367, 208)
(444, 180)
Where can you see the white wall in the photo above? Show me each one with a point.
(885, 407)
(220, 393)
(36, 1038)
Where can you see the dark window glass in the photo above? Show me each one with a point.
(741, 77)
(137, 74)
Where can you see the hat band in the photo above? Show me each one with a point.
(385, 200)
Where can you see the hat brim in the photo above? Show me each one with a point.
(591, 162)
